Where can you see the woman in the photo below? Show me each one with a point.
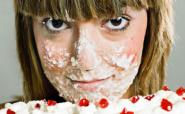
(70, 49)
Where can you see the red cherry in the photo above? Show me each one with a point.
(51, 102)
(183, 98)
(37, 106)
(134, 99)
(166, 105)
(84, 102)
(103, 103)
(165, 88)
(149, 97)
(180, 91)
(9, 111)
(124, 111)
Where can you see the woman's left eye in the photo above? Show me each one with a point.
(119, 23)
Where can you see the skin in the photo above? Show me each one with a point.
(86, 59)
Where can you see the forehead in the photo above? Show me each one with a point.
(77, 9)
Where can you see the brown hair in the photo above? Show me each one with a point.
(157, 44)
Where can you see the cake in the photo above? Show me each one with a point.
(162, 102)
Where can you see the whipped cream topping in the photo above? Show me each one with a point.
(162, 102)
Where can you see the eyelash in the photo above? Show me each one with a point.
(53, 31)
(128, 18)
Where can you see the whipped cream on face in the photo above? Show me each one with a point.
(162, 102)
(55, 57)
(86, 49)
(90, 71)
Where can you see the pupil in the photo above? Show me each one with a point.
(57, 23)
(116, 22)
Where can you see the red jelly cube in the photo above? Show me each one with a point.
(124, 111)
(37, 106)
(103, 103)
(180, 91)
(166, 105)
(51, 103)
(134, 99)
(9, 111)
(165, 88)
(84, 102)
(149, 97)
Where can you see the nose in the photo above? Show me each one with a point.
(85, 47)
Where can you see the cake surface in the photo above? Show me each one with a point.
(162, 102)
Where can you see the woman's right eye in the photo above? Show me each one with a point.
(54, 25)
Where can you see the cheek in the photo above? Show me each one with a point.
(125, 51)
(53, 57)
(134, 45)
(54, 51)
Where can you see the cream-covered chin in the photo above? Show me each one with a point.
(112, 88)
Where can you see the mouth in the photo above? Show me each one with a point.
(89, 85)
(89, 82)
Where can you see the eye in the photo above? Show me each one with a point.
(119, 23)
(54, 25)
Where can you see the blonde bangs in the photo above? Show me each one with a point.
(77, 9)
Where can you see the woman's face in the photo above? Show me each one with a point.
(92, 59)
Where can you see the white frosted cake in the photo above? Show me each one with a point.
(162, 102)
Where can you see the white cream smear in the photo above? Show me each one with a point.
(71, 80)
(55, 57)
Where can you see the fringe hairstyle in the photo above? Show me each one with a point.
(157, 44)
